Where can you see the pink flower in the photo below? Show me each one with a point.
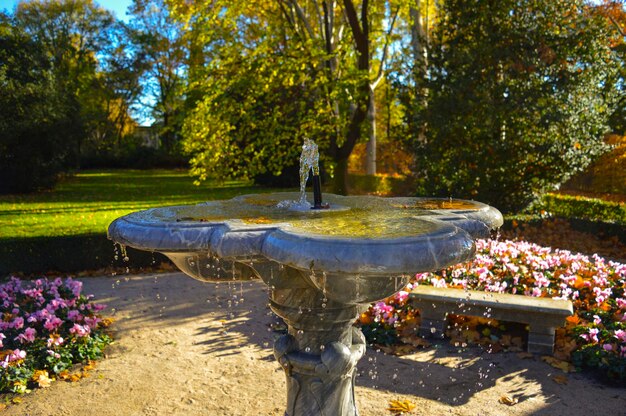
(401, 297)
(607, 347)
(55, 341)
(17, 323)
(602, 294)
(52, 323)
(621, 335)
(621, 303)
(597, 320)
(93, 322)
(80, 330)
(438, 282)
(2, 336)
(28, 336)
(53, 354)
(17, 355)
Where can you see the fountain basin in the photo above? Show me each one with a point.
(322, 266)
(368, 235)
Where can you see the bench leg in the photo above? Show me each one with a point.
(541, 340)
(432, 325)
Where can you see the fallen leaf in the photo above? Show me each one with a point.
(560, 364)
(16, 400)
(400, 407)
(508, 400)
(560, 379)
(63, 375)
(106, 322)
(41, 378)
(525, 355)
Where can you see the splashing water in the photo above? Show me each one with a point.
(309, 160)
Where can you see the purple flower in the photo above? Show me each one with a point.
(74, 315)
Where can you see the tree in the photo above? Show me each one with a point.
(615, 14)
(122, 67)
(518, 99)
(34, 116)
(71, 32)
(318, 61)
(159, 38)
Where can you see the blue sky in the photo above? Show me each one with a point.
(118, 7)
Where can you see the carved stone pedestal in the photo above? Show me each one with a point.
(321, 349)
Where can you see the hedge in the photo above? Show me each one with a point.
(569, 206)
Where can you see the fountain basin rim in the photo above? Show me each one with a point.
(122, 228)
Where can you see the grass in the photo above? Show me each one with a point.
(87, 202)
(64, 230)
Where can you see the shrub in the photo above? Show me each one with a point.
(46, 328)
(519, 94)
(573, 206)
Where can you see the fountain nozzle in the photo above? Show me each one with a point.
(317, 194)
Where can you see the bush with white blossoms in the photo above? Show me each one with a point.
(45, 328)
(595, 286)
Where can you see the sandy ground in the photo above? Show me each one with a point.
(182, 350)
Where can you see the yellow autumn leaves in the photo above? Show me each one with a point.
(400, 407)
(43, 379)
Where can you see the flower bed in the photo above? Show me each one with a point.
(46, 328)
(594, 337)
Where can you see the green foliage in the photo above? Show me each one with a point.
(72, 34)
(569, 206)
(600, 356)
(517, 99)
(379, 333)
(596, 358)
(264, 75)
(34, 116)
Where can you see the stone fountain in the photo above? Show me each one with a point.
(324, 264)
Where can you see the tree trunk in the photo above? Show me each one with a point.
(370, 156)
(340, 181)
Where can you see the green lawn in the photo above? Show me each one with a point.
(87, 202)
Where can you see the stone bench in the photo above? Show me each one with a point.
(542, 315)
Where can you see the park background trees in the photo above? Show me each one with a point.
(494, 100)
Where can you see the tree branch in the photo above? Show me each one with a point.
(303, 18)
(381, 70)
(360, 37)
